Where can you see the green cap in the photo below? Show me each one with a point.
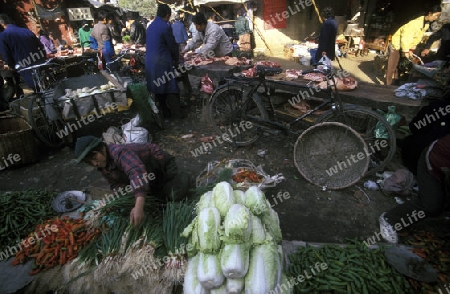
(84, 145)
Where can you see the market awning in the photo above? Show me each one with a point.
(217, 2)
(48, 14)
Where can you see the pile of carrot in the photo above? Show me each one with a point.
(56, 242)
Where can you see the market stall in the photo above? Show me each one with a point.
(228, 239)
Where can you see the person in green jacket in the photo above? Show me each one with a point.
(84, 33)
(406, 38)
(242, 30)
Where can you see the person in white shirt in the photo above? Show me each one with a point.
(210, 37)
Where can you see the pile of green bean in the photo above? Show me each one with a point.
(353, 268)
(20, 212)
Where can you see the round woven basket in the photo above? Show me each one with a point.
(331, 155)
(16, 138)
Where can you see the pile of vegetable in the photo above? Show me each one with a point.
(21, 211)
(234, 243)
(54, 242)
(152, 252)
(435, 250)
(353, 268)
(247, 175)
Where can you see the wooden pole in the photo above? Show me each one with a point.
(317, 10)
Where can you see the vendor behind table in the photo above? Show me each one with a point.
(210, 37)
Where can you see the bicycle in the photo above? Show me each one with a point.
(44, 120)
(45, 111)
(239, 99)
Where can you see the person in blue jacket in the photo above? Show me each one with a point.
(20, 48)
(161, 59)
(103, 36)
(327, 37)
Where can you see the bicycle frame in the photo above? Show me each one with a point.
(261, 81)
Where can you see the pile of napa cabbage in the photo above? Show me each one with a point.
(234, 242)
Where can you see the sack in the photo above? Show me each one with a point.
(131, 133)
(113, 136)
(401, 182)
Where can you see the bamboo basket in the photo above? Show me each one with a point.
(16, 138)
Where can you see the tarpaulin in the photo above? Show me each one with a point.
(273, 14)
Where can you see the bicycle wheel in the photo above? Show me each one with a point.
(232, 115)
(50, 132)
(365, 122)
(331, 155)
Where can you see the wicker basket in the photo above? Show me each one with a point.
(17, 143)
(325, 155)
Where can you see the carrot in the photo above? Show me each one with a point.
(16, 261)
(62, 258)
(77, 227)
(70, 247)
(36, 271)
(71, 239)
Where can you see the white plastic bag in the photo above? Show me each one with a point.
(133, 134)
(113, 136)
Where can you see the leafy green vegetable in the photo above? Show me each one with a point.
(263, 269)
(223, 197)
(272, 222)
(234, 260)
(205, 201)
(208, 230)
(255, 200)
(239, 197)
(237, 224)
(258, 231)
(191, 283)
(209, 272)
(235, 286)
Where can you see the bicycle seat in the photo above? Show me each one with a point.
(266, 70)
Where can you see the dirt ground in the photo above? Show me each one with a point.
(309, 214)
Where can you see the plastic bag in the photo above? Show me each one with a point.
(392, 118)
(207, 85)
(113, 136)
(401, 182)
(131, 133)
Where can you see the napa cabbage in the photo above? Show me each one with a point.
(255, 200)
(262, 273)
(234, 260)
(239, 197)
(209, 272)
(205, 201)
(222, 194)
(208, 230)
(237, 225)
(235, 286)
(191, 284)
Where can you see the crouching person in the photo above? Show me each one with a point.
(433, 180)
(141, 167)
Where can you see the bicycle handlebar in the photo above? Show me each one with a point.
(123, 52)
(49, 62)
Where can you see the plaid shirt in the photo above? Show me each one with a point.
(134, 165)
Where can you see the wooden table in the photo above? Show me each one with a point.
(368, 95)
